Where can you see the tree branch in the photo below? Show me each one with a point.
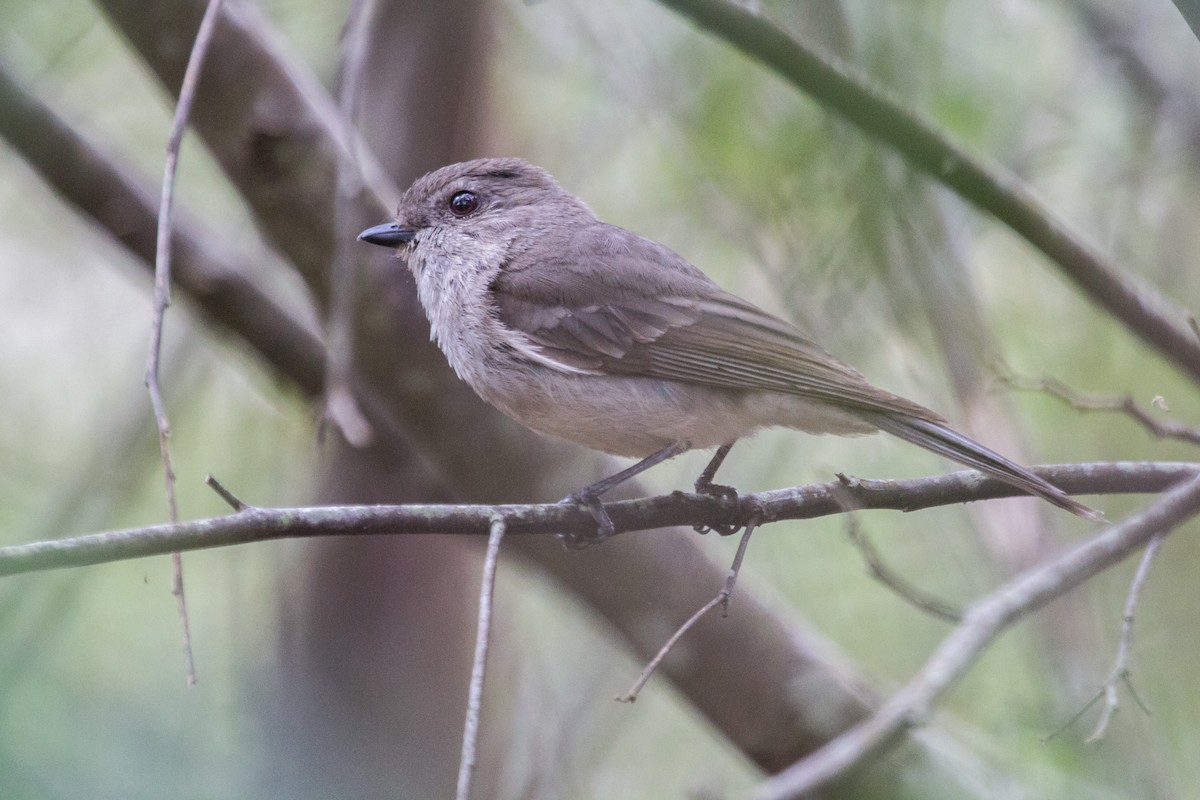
(162, 301)
(999, 192)
(1190, 11)
(100, 187)
(1124, 404)
(981, 624)
(1120, 669)
(805, 502)
(275, 131)
(483, 635)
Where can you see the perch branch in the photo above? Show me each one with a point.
(805, 502)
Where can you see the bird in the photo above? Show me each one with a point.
(591, 333)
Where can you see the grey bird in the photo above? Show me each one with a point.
(591, 333)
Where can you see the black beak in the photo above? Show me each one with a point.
(389, 234)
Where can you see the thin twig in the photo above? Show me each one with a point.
(466, 767)
(982, 623)
(1120, 670)
(1074, 718)
(631, 695)
(752, 522)
(1081, 401)
(721, 599)
(882, 573)
(162, 300)
(229, 497)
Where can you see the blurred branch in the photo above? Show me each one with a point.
(1120, 672)
(103, 189)
(340, 407)
(983, 622)
(1124, 404)
(1190, 10)
(1114, 34)
(280, 138)
(913, 595)
(993, 189)
(805, 502)
(275, 131)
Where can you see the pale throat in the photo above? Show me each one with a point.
(458, 278)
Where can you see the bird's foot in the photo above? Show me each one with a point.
(604, 525)
(728, 497)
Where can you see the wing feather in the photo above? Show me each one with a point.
(669, 324)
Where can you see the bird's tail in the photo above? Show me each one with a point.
(946, 442)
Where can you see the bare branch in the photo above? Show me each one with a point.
(999, 192)
(1190, 10)
(466, 769)
(229, 497)
(882, 573)
(805, 502)
(162, 299)
(103, 189)
(272, 126)
(340, 406)
(1120, 670)
(721, 599)
(981, 624)
(1081, 401)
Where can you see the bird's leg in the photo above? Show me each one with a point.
(590, 495)
(726, 494)
(704, 484)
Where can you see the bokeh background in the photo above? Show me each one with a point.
(337, 669)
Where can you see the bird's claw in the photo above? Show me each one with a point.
(728, 497)
(604, 524)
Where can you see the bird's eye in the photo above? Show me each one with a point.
(463, 203)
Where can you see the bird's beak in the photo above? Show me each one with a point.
(389, 234)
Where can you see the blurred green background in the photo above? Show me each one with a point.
(664, 130)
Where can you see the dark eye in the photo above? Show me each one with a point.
(463, 203)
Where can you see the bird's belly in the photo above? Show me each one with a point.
(632, 416)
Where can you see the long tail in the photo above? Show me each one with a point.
(953, 445)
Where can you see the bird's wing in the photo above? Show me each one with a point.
(670, 324)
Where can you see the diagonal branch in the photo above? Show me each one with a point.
(989, 186)
(274, 130)
(983, 622)
(125, 205)
(1190, 10)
